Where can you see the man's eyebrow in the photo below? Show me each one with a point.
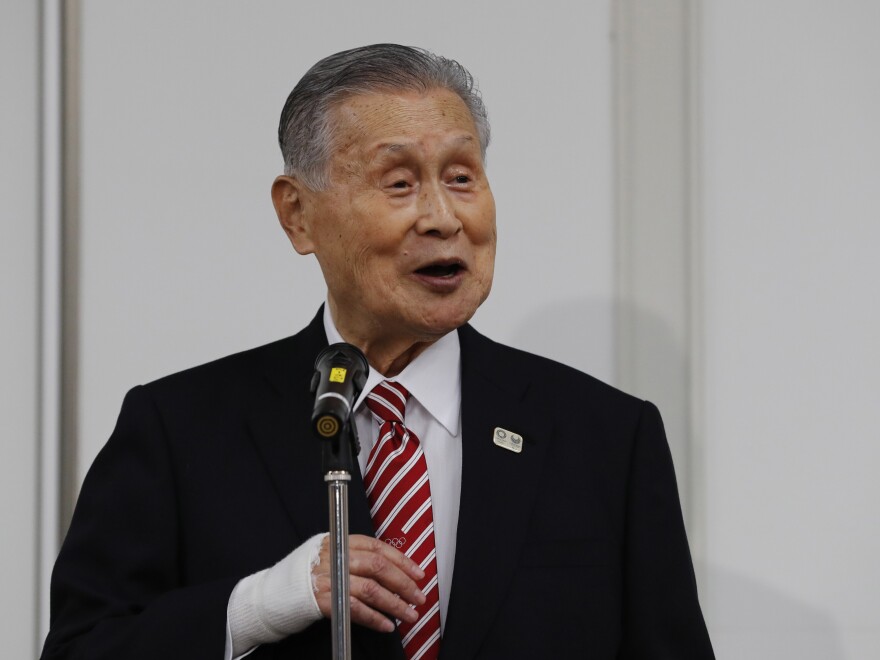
(395, 147)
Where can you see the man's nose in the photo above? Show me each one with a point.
(437, 212)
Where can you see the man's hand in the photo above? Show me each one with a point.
(382, 583)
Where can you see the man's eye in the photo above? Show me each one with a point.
(400, 184)
(462, 178)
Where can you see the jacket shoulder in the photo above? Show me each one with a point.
(225, 370)
(275, 361)
(544, 374)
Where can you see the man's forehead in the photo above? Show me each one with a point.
(385, 124)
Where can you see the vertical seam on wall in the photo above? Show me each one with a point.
(70, 261)
(696, 309)
(637, 27)
(623, 324)
(619, 213)
(50, 321)
(39, 573)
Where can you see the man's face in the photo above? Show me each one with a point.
(405, 234)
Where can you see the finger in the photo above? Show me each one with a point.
(376, 597)
(383, 570)
(366, 616)
(369, 543)
(370, 603)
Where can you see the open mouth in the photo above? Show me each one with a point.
(441, 270)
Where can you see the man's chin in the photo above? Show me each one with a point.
(440, 322)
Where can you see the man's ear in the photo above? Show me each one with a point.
(289, 196)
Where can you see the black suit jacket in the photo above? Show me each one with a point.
(573, 548)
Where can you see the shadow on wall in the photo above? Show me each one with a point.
(574, 331)
(751, 620)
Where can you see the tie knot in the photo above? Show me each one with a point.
(387, 401)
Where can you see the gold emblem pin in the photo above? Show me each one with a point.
(508, 440)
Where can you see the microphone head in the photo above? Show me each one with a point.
(340, 375)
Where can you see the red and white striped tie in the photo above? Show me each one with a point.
(399, 493)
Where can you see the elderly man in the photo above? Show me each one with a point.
(488, 520)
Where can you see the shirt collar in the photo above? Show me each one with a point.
(433, 378)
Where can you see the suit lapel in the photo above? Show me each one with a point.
(498, 489)
(280, 426)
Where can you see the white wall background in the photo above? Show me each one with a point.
(19, 304)
(791, 157)
(181, 260)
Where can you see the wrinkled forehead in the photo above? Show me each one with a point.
(396, 118)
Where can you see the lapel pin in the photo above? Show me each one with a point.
(508, 440)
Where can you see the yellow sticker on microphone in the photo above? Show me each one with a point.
(337, 375)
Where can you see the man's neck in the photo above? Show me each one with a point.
(387, 354)
(388, 357)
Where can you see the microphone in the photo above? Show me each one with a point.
(340, 375)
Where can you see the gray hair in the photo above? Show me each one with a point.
(305, 130)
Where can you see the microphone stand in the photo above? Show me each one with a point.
(338, 463)
(340, 375)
